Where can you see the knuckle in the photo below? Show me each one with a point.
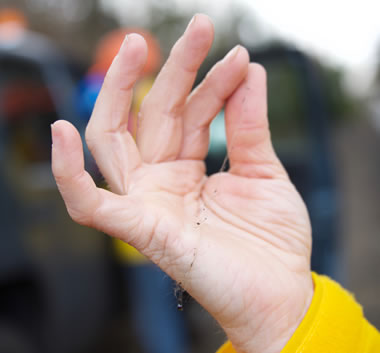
(59, 179)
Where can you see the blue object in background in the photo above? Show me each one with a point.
(87, 92)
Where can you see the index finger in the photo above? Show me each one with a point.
(107, 134)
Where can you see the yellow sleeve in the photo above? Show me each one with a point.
(333, 323)
(127, 254)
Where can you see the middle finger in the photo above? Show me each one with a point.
(159, 134)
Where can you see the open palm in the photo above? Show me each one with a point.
(238, 241)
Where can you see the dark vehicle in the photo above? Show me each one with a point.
(55, 284)
(299, 120)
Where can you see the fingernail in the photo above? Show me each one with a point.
(55, 136)
(191, 22)
(232, 53)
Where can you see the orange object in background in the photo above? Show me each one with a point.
(12, 24)
(110, 44)
(11, 15)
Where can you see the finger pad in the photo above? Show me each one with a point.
(67, 149)
(134, 51)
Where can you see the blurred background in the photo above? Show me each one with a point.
(68, 289)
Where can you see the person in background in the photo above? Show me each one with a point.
(159, 327)
(239, 241)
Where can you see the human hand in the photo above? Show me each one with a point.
(239, 241)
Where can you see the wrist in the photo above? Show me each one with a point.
(271, 329)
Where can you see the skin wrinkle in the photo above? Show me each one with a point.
(192, 138)
(197, 245)
(78, 215)
(256, 172)
(268, 320)
(120, 112)
(155, 255)
(122, 187)
(131, 171)
(277, 213)
(220, 215)
(280, 215)
(132, 229)
(187, 258)
(253, 249)
(187, 273)
(284, 326)
(150, 234)
(210, 83)
(284, 240)
(169, 189)
(193, 135)
(227, 303)
(179, 173)
(191, 71)
(161, 152)
(91, 140)
(119, 183)
(248, 294)
(202, 124)
(129, 215)
(101, 212)
(260, 156)
(173, 109)
(252, 125)
(276, 218)
(209, 287)
(258, 230)
(249, 126)
(173, 102)
(295, 229)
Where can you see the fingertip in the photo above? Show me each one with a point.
(61, 124)
(252, 91)
(202, 21)
(237, 60)
(257, 71)
(64, 133)
(243, 55)
(198, 19)
(67, 153)
(134, 41)
(201, 31)
(135, 50)
(55, 134)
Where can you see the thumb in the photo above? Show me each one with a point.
(249, 144)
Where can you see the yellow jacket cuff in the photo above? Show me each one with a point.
(333, 323)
